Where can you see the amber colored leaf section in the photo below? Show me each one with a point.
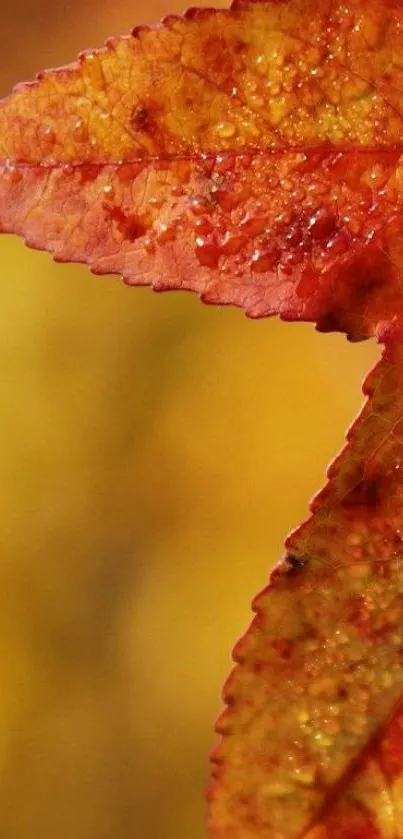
(255, 156)
(252, 155)
(308, 745)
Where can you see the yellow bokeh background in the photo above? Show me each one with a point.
(153, 455)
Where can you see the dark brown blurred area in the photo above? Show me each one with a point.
(153, 455)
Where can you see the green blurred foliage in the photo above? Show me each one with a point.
(154, 453)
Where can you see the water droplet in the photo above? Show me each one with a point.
(274, 87)
(353, 223)
(227, 199)
(225, 130)
(321, 224)
(46, 136)
(305, 775)
(199, 206)
(261, 65)
(376, 176)
(177, 190)
(79, 130)
(224, 163)
(287, 184)
(323, 740)
(338, 244)
(255, 100)
(232, 243)
(165, 233)
(253, 225)
(203, 226)
(284, 218)
(298, 194)
(244, 161)
(108, 190)
(264, 260)
(293, 235)
(317, 189)
(370, 235)
(317, 72)
(207, 252)
(249, 127)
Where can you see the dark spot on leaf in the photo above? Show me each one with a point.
(88, 172)
(197, 13)
(366, 493)
(141, 119)
(223, 62)
(296, 563)
(283, 646)
(239, 46)
(130, 225)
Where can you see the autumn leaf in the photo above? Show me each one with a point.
(321, 666)
(254, 155)
(224, 140)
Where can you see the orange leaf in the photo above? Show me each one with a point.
(251, 155)
(254, 155)
(321, 666)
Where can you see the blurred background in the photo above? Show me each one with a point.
(153, 455)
